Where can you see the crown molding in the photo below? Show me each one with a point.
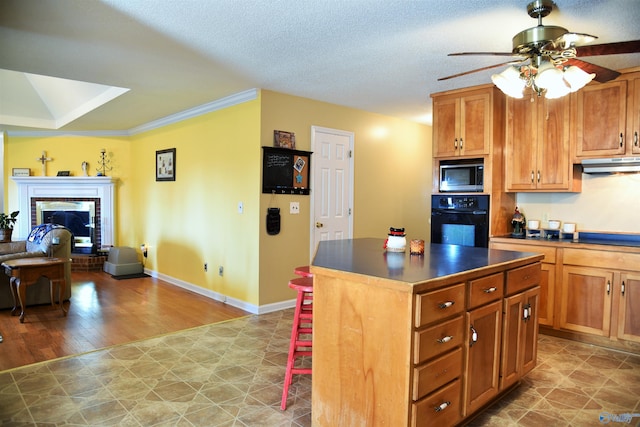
(226, 102)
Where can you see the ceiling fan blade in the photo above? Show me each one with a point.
(485, 53)
(603, 74)
(568, 40)
(632, 46)
(477, 70)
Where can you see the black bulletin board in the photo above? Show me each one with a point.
(285, 171)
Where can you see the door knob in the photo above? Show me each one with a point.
(319, 225)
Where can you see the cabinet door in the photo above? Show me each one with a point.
(530, 332)
(475, 129)
(519, 336)
(446, 126)
(482, 364)
(601, 119)
(547, 287)
(633, 116)
(628, 313)
(585, 302)
(552, 162)
(521, 144)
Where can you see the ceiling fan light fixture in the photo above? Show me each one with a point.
(510, 82)
(577, 78)
(548, 76)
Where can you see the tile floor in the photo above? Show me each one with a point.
(231, 373)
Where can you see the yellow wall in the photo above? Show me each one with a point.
(392, 182)
(68, 153)
(218, 164)
(195, 219)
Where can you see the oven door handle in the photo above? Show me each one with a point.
(456, 211)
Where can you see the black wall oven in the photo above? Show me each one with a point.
(460, 220)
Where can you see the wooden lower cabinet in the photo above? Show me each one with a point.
(588, 293)
(585, 302)
(628, 312)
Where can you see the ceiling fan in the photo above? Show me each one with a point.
(545, 58)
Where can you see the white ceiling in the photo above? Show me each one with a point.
(382, 56)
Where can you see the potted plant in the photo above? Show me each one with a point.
(6, 225)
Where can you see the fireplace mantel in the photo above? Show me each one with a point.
(100, 187)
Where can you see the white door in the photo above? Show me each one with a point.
(332, 185)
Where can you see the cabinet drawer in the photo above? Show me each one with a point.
(442, 408)
(439, 304)
(438, 339)
(486, 289)
(522, 278)
(437, 373)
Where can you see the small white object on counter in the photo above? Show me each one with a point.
(554, 224)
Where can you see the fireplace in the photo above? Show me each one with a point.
(83, 204)
(77, 215)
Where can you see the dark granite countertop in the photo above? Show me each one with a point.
(366, 256)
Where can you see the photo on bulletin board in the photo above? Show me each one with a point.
(282, 139)
(301, 176)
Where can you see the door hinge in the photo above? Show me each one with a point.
(349, 211)
(350, 153)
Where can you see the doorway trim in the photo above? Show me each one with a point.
(351, 136)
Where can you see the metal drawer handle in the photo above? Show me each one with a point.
(455, 144)
(490, 290)
(446, 304)
(442, 406)
(608, 287)
(474, 336)
(445, 339)
(635, 138)
(621, 140)
(527, 312)
(623, 288)
(461, 143)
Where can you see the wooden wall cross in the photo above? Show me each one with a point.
(42, 159)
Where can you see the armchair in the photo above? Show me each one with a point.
(38, 244)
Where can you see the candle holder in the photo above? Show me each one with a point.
(104, 163)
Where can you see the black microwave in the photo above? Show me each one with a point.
(461, 176)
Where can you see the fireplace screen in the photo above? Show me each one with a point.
(78, 217)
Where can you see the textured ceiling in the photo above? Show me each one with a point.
(382, 56)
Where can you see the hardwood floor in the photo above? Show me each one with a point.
(102, 312)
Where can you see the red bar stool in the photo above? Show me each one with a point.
(303, 271)
(300, 344)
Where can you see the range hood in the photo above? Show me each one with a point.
(611, 165)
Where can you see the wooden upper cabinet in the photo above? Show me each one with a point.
(462, 123)
(600, 119)
(537, 145)
(633, 115)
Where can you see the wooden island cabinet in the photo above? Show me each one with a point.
(418, 340)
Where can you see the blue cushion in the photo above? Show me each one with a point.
(40, 231)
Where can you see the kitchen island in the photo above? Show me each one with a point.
(416, 340)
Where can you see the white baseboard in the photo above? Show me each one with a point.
(243, 305)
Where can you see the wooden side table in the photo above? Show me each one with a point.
(26, 271)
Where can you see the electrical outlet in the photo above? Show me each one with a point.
(220, 270)
(206, 266)
(294, 208)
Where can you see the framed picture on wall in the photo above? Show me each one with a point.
(21, 172)
(166, 165)
(282, 139)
